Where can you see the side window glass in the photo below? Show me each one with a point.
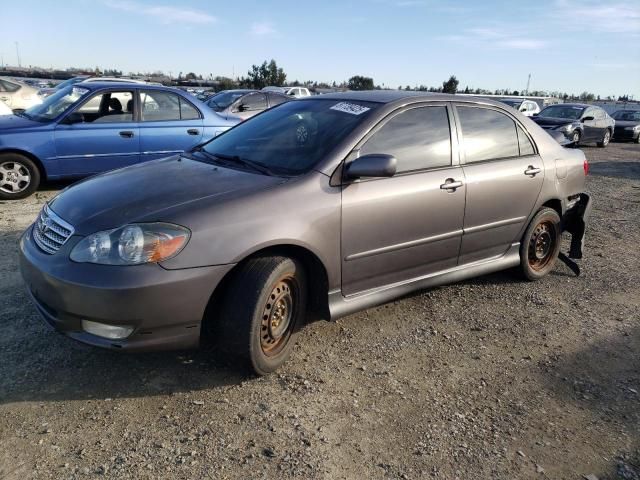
(111, 107)
(158, 106)
(254, 102)
(188, 111)
(526, 147)
(277, 99)
(419, 138)
(487, 134)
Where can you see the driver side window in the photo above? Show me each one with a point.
(110, 107)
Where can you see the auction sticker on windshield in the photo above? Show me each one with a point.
(351, 108)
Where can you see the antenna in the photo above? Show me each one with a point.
(18, 54)
(528, 85)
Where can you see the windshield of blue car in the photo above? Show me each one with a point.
(56, 104)
(627, 115)
(562, 111)
(293, 137)
(222, 100)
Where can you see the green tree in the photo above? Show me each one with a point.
(358, 82)
(191, 76)
(264, 75)
(225, 83)
(451, 85)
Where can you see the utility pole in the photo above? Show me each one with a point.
(18, 55)
(528, 85)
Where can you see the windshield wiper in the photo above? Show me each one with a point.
(256, 166)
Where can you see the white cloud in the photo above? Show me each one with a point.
(618, 17)
(262, 29)
(164, 13)
(496, 37)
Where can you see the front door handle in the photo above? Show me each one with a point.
(532, 171)
(451, 185)
(126, 134)
(193, 131)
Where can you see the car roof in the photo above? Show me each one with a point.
(101, 85)
(581, 105)
(389, 96)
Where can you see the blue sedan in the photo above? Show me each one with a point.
(89, 128)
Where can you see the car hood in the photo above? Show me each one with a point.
(14, 122)
(626, 123)
(142, 193)
(549, 121)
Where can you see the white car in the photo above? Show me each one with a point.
(18, 95)
(297, 92)
(528, 108)
(118, 79)
(4, 109)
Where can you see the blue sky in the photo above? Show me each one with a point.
(567, 45)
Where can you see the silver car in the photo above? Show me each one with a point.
(316, 208)
(242, 104)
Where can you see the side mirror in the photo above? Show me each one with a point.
(242, 108)
(74, 117)
(587, 119)
(373, 165)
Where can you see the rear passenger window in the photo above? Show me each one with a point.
(419, 138)
(188, 111)
(159, 106)
(487, 134)
(526, 147)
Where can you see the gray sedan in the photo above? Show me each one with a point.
(317, 208)
(244, 104)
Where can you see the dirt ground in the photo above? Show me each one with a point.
(493, 378)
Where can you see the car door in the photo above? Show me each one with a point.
(169, 124)
(249, 105)
(504, 176)
(100, 134)
(590, 128)
(407, 226)
(602, 123)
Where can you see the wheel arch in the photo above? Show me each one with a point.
(30, 156)
(554, 203)
(317, 278)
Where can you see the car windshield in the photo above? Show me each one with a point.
(562, 111)
(513, 103)
(627, 115)
(222, 100)
(292, 138)
(56, 104)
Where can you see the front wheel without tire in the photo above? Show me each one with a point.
(19, 176)
(262, 312)
(540, 245)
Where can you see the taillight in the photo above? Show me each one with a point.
(585, 165)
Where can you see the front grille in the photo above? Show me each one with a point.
(50, 232)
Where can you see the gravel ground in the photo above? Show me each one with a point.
(491, 378)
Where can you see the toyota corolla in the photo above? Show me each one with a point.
(314, 209)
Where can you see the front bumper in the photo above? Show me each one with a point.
(165, 307)
(624, 134)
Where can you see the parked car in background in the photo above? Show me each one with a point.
(204, 96)
(92, 127)
(18, 95)
(243, 104)
(45, 92)
(627, 125)
(4, 109)
(528, 108)
(297, 92)
(307, 210)
(580, 123)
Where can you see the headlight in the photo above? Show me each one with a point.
(566, 128)
(133, 244)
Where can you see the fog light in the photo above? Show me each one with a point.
(112, 332)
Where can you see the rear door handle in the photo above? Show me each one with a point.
(193, 131)
(532, 171)
(126, 134)
(451, 185)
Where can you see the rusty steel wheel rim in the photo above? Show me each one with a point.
(278, 317)
(542, 245)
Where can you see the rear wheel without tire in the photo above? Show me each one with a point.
(262, 312)
(575, 138)
(605, 140)
(540, 245)
(19, 176)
